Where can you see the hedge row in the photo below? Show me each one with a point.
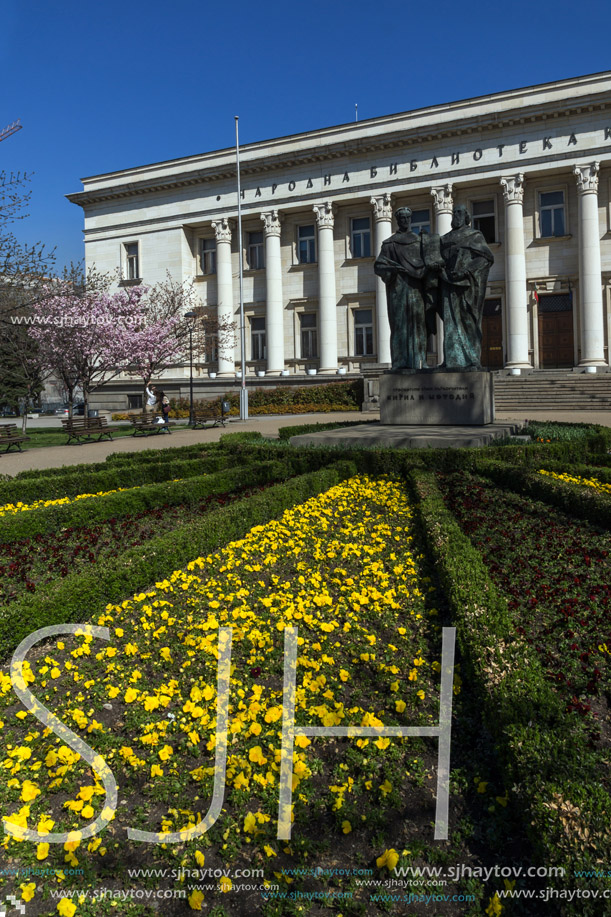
(367, 461)
(544, 754)
(583, 502)
(83, 596)
(285, 433)
(121, 458)
(339, 394)
(576, 469)
(130, 474)
(150, 496)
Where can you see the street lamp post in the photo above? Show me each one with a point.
(190, 317)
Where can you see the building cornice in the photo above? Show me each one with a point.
(549, 102)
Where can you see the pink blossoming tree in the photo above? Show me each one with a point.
(85, 336)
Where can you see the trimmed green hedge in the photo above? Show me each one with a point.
(146, 456)
(575, 500)
(153, 455)
(368, 461)
(544, 754)
(173, 493)
(131, 474)
(285, 433)
(246, 436)
(576, 469)
(83, 596)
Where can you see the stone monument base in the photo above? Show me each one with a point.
(437, 398)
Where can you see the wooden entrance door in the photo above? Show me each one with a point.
(556, 350)
(492, 335)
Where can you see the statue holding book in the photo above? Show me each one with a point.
(408, 267)
(428, 275)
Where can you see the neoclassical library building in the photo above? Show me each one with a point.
(532, 165)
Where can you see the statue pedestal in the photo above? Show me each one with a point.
(437, 398)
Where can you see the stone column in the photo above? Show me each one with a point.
(327, 296)
(224, 295)
(515, 273)
(443, 204)
(274, 315)
(590, 283)
(382, 216)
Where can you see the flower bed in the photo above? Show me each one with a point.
(50, 518)
(333, 567)
(556, 574)
(106, 478)
(596, 483)
(30, 564)
(546, 754)
(340, 568)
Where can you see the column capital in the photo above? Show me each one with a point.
(382, 207)
(443, 201)
(513, 188)
(325, 215)
(222, 229)
(587, 177)
(271, 221)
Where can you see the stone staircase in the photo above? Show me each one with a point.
(553, 391)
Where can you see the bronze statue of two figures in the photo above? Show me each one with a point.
(429, 275)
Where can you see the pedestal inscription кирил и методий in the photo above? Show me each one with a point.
(437, 398)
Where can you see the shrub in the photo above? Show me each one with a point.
(129, 474)
(173, 493)
(285, 433)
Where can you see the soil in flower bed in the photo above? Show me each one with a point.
(556, 574)
(346, 570)
(31, 563)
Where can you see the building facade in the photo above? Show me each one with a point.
(532, 165)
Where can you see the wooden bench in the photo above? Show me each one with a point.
(147, 426)
(86, 429)
(210, 412)
(11, 436)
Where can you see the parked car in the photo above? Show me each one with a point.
(77, 410)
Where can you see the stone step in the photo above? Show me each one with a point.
(553, 391)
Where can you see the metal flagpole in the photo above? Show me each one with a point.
(243, 389)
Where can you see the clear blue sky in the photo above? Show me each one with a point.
(105, 86)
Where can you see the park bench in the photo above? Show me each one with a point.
(210, 412)
(86, 429)
(11, 436)
(147, 426)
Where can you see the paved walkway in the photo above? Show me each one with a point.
(57, 456)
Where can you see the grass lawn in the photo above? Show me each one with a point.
(57, 436)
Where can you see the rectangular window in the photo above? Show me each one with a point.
(421, 221)
(309, 337)
(207, 349)
(484, 219)
(257, 338)
(363, 332)
(207, 256)
(306, 244)
(132, 261)
(552, 220)
(256, 258)
(360, 238)
(134, 402)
